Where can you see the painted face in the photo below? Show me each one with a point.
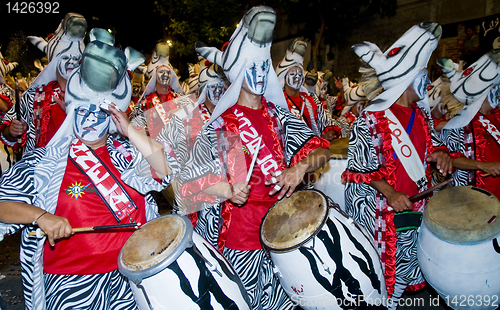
(256, 77)
(295, 77)
(67, 64)
(136, 89)
(215, 91)
(493, 96)
(91, 123)
(420, 84)
(163, 75)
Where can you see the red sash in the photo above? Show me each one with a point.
(109, 189)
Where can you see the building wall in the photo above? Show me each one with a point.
(384, 31)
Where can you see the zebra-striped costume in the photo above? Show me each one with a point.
(370, 158)
(36, 180)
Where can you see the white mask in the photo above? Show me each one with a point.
(256, 77)
(295, 77)
(91, 123)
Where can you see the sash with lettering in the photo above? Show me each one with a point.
(250, 139)
(405, 150)
(107, 187)
(490, 128)
(157, 104)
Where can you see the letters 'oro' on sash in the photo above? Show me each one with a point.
(109, 190)
(405, 150)
(250, 138)
(490, 128)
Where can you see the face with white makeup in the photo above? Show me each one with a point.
(163, 75)
(69, 61)
(295, 77)
(91, 123)
(256, 76)
(215, 91)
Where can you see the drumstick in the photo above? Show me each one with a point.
(429, 191)
(254, 159)
(486, 175)
(94, 228)
(302, 109)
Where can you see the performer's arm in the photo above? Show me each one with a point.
(463, 163)
(55, 227)
(397, 200)
(291, 177)
(151, 149)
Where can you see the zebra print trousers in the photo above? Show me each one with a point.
(107, 291)
(256, 272)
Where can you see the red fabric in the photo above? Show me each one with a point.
(244, 232)
(350, 117)
(153, 120)
(8, 101)
(416, 287)
(89, 253)
(57, 116)
(296, 102)
(487, 149)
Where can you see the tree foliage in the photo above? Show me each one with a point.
(188, 21)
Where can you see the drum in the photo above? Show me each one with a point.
(458, 247)
(324, 259)
(328, 178)
(171, 267)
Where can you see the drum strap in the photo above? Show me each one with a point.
(407, 220)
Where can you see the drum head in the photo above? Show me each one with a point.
(339, 148)
(155, 246)
(463, 214)
(293, 221)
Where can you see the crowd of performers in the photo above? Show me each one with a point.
(98, 142)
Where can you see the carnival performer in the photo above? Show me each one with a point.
(254, 109)
(6, 93)
(163, 87)
(42, 108)
(137, 88)
(437, 90)
(85, 176)
(475, 130)
(354, 98)
(390, 150)
(180, 135)
(290, 72)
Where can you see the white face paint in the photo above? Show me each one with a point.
(256, 77)
(215, 92)
(67, 64)
(91, 123)
(420, 84)
(163, 75)
(493, 96)
(295, 77)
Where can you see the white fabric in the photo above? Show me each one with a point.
(405, 150)
(490, 128)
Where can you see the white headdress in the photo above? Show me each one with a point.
(160, 58)
(473, 85)
(400, 65)
(250, 42)
(101, 76)
(294, 57)
(69, 35)
(353, 93)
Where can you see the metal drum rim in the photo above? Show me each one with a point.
(139, 275)
(300, 244)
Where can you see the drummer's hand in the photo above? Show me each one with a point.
(330, 135)
(55, 227)
(287, 181)
(240, 194)
(399, 201)
(17, 128)
(491, 167)
(121, 120)
(443, 161)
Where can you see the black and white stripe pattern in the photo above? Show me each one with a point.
(256, 272)
(98, 292)
(36, 180)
